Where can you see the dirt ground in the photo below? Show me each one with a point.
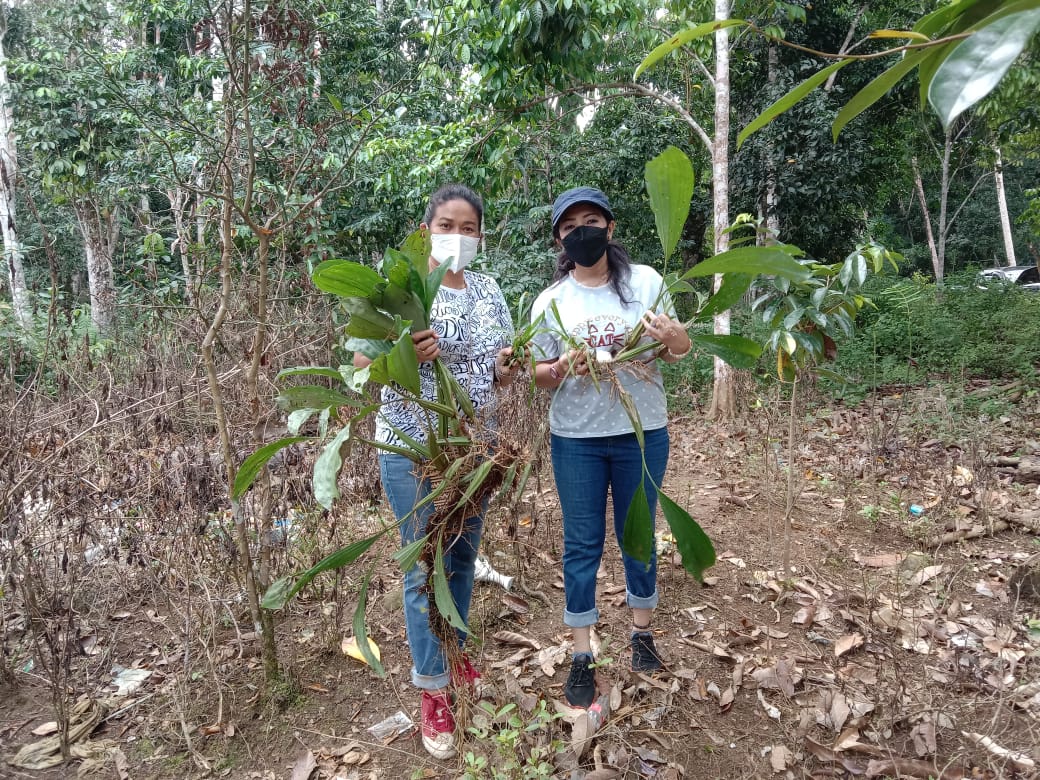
(888, 650)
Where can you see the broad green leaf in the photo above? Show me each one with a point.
(926, 70)
(361, 631)
(669, 183)
(788, 100)
(732, 290)
(346, 278)
(251, 466)
(403, 303)
(308, 371)
(408, 555)
(637, 539)
(931, 24)
(367, 322)
(833, 376)
(751, 260)
(403, 365)
(976, 65)
(695, 548)
(334, 101)
(787, 343)
(314, 397)
(680, 39)
(417, 248)
(738, 351)
(327, 467)
(433, 283)
(442, 593)
(370, 348)
(278, 595)
(874, 91)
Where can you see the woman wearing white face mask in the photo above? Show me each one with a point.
(470, 333)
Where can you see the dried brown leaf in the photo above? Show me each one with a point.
(780, 757)
(847, 643)
(304, 766)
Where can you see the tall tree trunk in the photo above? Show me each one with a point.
(1005, 219)
(723, 400)
(944, 198)
(178, 207)
(15, 270)
(926, 217)
(770, 213)
(99, 227)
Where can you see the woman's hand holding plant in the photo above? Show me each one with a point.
(668, 332)
(426, 348)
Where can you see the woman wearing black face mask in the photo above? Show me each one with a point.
(600, 296)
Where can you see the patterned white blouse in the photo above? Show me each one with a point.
(472, 325)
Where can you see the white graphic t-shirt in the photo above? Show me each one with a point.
(472, 325)
(596, 316)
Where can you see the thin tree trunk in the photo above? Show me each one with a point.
(100, 230)
(1002, 207)
(926, 217)
(15, 269)
(723, 401)
(178, 201)
(944, 197)
(771, 216)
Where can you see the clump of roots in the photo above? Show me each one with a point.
(475, 473)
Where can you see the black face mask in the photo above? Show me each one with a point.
(585, 245)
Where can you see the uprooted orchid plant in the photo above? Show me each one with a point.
(387, 305)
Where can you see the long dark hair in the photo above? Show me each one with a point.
(450, 192)
(619, 268)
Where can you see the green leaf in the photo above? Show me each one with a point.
(637, 539)
(315, 397)
(476, 479)
(695, 548)
(732, 290)
(370, 348)
(417, 247)
(679, 40)
(977, 65)
(278, 595)
(367, 322)
(875, 90)
(788, 100)
(327, 468)
(402, 302)
(738, 351)
(346, 278)
(251, 466)
(751, 260)
(629, 405)
(334, 101)
(669, 183)
(403, 365)
(408, 555)
(433, 283)
(442, 593)
(297, 418)
(360, 630)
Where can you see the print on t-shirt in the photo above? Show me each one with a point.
(604, 331)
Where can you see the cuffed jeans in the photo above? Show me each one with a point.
(584, 469)
(404, 490)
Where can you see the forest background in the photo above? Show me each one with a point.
(173, 172)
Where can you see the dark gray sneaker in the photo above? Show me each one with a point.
(580, 689)
(644, 654)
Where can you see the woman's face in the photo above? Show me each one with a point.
(582, 214)
(456, 217)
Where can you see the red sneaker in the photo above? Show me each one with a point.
(438, 725)
(464, 675)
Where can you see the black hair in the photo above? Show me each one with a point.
(619, 265)
(450, 192)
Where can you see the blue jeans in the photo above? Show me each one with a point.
(404, 490)
(584, 469)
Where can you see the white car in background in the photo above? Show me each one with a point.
(1026, 277)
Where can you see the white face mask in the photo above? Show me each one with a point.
(453, 245)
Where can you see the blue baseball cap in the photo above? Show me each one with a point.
(580, 195)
